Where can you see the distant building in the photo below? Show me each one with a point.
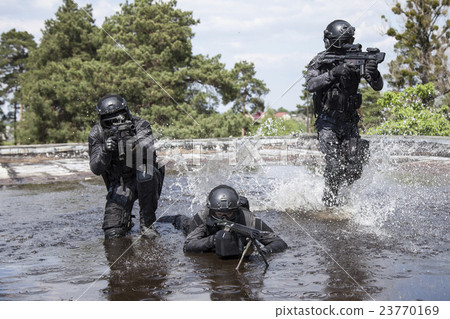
(258, 115)
(283, 115)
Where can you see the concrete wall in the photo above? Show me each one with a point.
(405, 145)
(54, 162)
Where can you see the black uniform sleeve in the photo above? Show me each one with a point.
(196, 221)
(199, 240)
(99, 158)
(315, 80)
(271, 241)
(377, 83)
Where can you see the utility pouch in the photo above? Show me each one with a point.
(354, 101)
(334, 99)
(228, 244)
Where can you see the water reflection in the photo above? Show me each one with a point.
(137, 270)
(223, 281)
(392, 239)
(345, 265)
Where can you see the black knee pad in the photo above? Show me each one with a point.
(117, 220)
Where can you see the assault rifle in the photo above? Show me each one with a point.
(354, 55)
(121, 130)
(251, 234)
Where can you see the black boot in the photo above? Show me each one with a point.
(148, 230)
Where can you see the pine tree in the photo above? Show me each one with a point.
(147, 55)
(15, 47)
(2, 125)
(249, 89)
(421, 45)
(371, 113)
(61, 86)
(144, 53)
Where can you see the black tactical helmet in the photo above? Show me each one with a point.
(223, 199)
(112, 107)
(338, 33)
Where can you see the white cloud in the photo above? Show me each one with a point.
(236, 45)
(102, 9)
(20, 24)
(26, 15)
(43, 5)
(264, 60)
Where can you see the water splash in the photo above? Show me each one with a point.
(385, 194)
(298, 189)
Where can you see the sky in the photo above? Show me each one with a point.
(279, 36)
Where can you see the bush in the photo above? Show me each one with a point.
(271, 126)
(411, 112)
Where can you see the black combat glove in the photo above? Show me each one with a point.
(372, 69)
(342, 70)
(111, 144)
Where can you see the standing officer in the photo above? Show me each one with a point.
(121, 151)
(336, 101)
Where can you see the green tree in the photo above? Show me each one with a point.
(142, 52)
(307, 107)
(15, 47)
(282, 109)
(150, 62)
(421, 45)
(371, 112)
(64, 78)
(213, 125)
(272, 126)
(249, 89)
(2, 125)
(143, 45)
(410, 113)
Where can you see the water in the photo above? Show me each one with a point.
(390, 242)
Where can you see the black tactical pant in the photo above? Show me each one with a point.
(345, 153)
(120, 200)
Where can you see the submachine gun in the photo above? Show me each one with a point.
(354, 55)
(251, 234)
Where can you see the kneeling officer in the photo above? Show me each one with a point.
(227, 226)
(121, 151)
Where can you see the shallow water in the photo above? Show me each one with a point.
(390, 242)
